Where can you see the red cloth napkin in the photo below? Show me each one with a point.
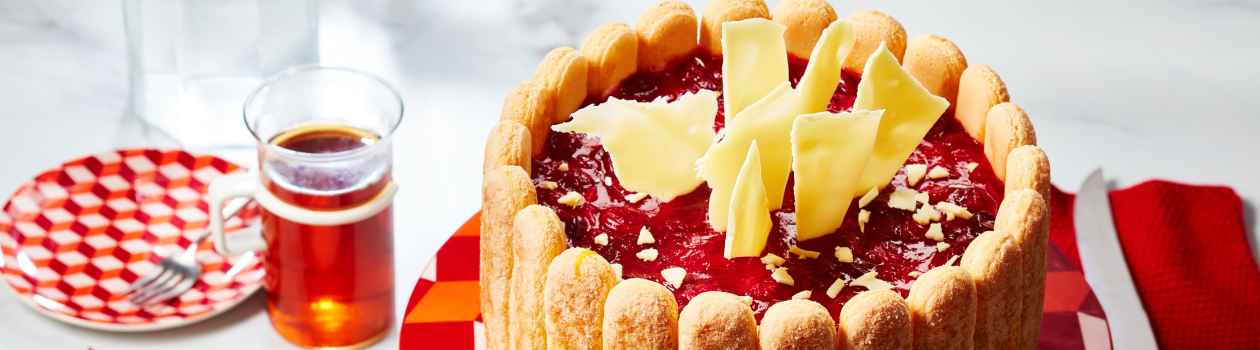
(1187, 251)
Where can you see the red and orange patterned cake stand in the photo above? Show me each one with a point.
(443, 312)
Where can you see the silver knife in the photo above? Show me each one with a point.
(1105, 268)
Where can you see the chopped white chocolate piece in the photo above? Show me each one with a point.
(645, 236)
(647, 254)
(771, 267)
(636, 197)
(903, 198)
(871, 281)
(934, 232)
(616, 269)
(835, 288)
(926, 214)
(572, 199)
(674, 276)
(868, 197)
(844, 254)
(952, 211)
(781, 275)
(922, 197)
(608, 181)
(938, 172)
(941, 246)
(803, 253)
(601, 239)
(951, 261)
(549, 185)
(864, 216)
(914, 173)
(774, 260)
(564, 166)
(802, 295)
(971, 166)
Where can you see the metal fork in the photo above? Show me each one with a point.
(177, 272)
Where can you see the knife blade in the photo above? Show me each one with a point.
(1105, 267)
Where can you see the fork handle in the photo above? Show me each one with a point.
(230, 211)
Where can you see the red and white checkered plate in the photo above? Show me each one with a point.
(75, 237)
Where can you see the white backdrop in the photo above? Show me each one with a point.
(1163, 89)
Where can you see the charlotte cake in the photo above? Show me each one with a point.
(548, 280)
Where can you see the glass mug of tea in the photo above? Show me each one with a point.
(325, 188)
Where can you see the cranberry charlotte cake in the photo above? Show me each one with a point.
(755, 178)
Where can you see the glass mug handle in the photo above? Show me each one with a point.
(245, 185)
(222, 190)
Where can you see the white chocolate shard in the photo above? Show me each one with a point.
(653, 145)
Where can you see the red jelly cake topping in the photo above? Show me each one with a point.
(893, 244)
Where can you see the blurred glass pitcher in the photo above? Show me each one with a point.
(193, 62)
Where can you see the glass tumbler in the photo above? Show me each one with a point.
(192, 62)
(324, 183)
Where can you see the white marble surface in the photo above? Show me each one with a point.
(1164, 89)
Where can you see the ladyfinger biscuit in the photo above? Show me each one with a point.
(1025, 216)
(875, 320)
(943, 309)
(1006, 128)
(667, 32)
(538, 237)
(797, 325)
(578, 281)
(563, 74)
(640, 314)
(508, 144)
(993, 261)
(937, 63)
(532, 105)
(717, 321)
(1027, 167)
(805, 21)
(611, 53)
(506, 190)
(870, 28)
(721, 11)
(979, 89)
